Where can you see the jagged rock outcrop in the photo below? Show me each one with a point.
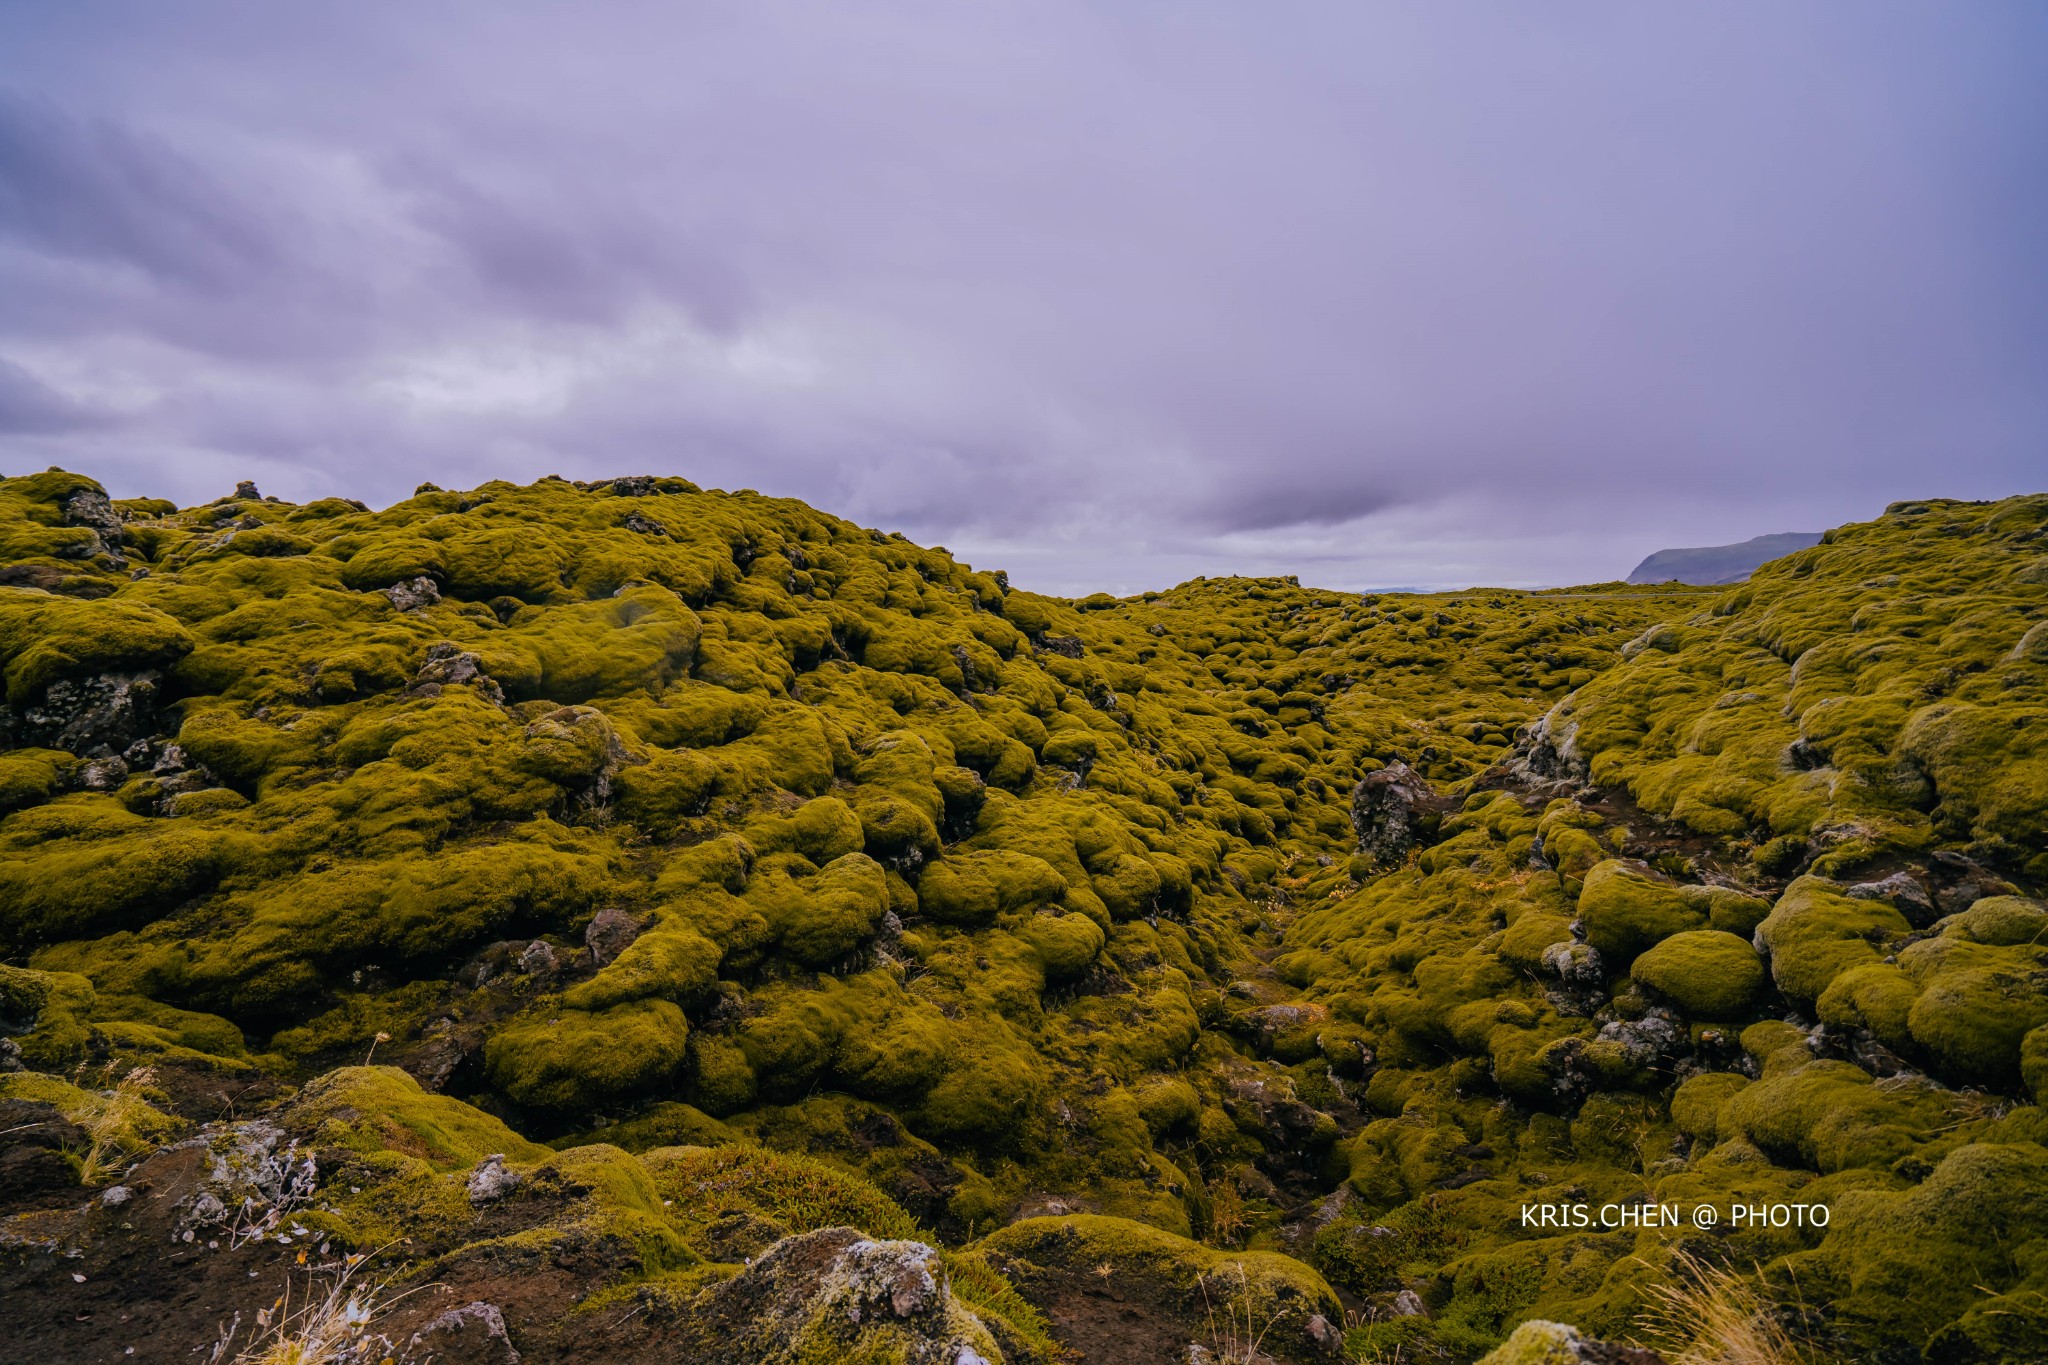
(474, 1334)
(93, 510)
(1393, 809)
(1549, 751)
(97, 715)
(838, 1294)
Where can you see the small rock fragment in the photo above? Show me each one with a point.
(610, 932)
(413, 594)
(1904, 893)
(473, 1334)
(490, 1181)
(1324, 1335)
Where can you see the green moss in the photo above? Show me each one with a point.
(1270, 1288)
(1537, 1342)
(1815, 933)
(973, 888)
(2034, 1063)
(1704, 972)
(821, 830)
(983, 1097)
(670, 788)
(894, 829)
(1901, 1265)
(49, 1010)
(676, 964)
(44, 639)
(800, 1193)
(122, 1121)
(83, 866)
(574, 1060)
(1831, 1116)
(668, 1124)
(643, 637)
(1526, 940)
(1065, 944)
(1972, 1020)
(196, 1032)
(1877, 996)
(2003, 921)
(381, 1108)
(28, 776)
(1696, 1106)
(1627, 909)
(1075, 749)
(721, 1076)
(818, 918)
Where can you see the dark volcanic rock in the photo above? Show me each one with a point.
(1903, 892)
(1393, 810)
(1549, 752)
(1065, 645)
(98, 715)
(610, 932)
(446, 663)
(90, 508)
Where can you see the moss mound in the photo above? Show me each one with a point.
(1706, 972)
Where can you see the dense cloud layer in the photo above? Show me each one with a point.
(1111, 295)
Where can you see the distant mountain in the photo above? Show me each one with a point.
(1720, 563)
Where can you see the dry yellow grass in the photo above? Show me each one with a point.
(1715, 1315)
(335, 1324)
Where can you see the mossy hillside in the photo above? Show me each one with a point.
(372, 1109)
(1875, 693)
(1507, 1061)
(1959, 999)
(1627, 908)
(1955, 1261)
(46, 534)
(404, 1176)
(596, 672)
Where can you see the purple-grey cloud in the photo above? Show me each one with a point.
(1110, 294)
(29, 405)
(95, 191)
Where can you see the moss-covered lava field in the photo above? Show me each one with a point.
(633, 922)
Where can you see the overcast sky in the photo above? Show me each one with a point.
(1108, 294)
